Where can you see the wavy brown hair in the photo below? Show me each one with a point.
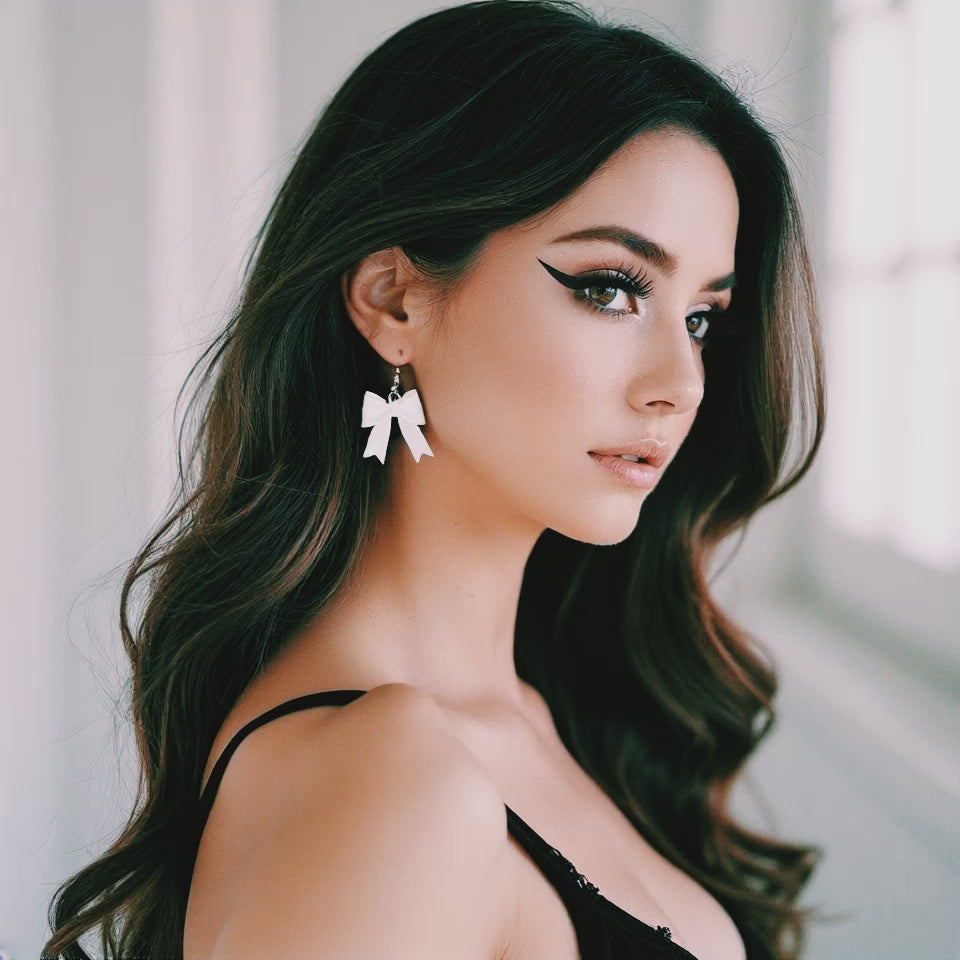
(464, 122)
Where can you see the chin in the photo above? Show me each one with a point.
(604, 528)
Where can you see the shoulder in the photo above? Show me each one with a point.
(362, 830)
(392, 730)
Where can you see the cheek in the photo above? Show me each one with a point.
(513, 379)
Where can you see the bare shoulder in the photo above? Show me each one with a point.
(364, 830)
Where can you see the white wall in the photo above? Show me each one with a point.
(142, 143)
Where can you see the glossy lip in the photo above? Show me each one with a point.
(652, 450)
(643, 475)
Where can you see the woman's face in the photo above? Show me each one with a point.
(523, 377)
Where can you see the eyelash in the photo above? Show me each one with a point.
(634, 282)
(620, 278)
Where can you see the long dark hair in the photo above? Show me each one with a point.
(464, 122)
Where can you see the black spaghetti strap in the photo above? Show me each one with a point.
(570, 884)
(545, 854)
(326, 698)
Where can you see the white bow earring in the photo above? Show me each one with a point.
(379, 413)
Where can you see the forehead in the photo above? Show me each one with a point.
(665, 184)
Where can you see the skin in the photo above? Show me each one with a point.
(519, 380)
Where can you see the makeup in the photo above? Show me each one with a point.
(622, 278)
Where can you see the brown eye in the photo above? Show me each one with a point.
(701, 327)
(602, 300)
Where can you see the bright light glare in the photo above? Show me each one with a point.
(891, 459)
(845, 8)
(867, 203)
(934, 130)
(866, 405)
(926, 524)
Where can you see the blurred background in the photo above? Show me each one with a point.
(142, 142)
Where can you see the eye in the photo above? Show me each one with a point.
(700, 322)
(602, 296)
(599, 289)
(704, 325)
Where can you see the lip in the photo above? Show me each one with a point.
(643, 475)
(650, 449)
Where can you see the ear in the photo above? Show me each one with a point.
(376, 292)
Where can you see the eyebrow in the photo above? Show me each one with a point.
(645, 248)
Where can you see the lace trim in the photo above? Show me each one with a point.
(591, 888)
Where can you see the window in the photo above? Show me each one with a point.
(888, 544)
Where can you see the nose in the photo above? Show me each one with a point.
(669, 375)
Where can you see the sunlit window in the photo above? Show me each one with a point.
(891, 458)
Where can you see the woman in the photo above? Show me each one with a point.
(459, 688)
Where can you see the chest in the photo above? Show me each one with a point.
(543, 783)
(539, 924)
